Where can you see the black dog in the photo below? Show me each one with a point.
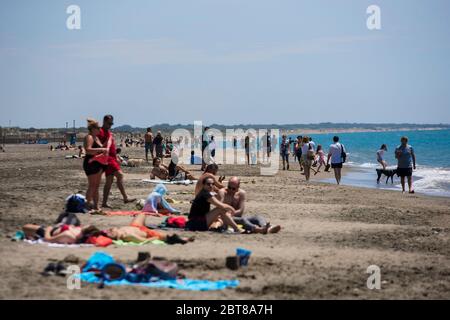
(388, 172)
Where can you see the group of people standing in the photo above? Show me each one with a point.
(101, 157)
(309, 156)
(158, 146)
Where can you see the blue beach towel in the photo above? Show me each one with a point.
(180, 284)
(99, 259)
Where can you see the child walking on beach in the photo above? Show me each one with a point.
(320, 158)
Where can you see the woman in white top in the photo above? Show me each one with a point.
(307, 157)
(380, 156)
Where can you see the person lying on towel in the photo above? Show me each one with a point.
(60, 233)
(138, 232)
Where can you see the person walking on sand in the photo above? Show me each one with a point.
(269, 145)
(406, 158)
(338, 156)
(298, 151)
(205, 143)
(320, 158)
(113, 170)
(158, 145)
(308, 156)
(247, 149)
(380, 156)
(148, 140)
(284, 151)
(94, 166)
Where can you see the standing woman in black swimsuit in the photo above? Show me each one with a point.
(93, 169)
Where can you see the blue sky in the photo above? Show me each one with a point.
(224, 61)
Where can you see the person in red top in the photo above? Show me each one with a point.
(113, 169)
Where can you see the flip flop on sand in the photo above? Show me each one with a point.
(129, 200)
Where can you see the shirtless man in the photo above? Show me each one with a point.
(235, 197)
(210, 172)
(159, 170)
(138, 232)
(148, 139)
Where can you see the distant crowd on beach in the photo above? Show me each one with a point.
(218, 204)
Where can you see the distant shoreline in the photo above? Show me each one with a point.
(355, 130)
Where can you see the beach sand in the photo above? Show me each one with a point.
(330, 235)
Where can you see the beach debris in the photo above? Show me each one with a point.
(71, 259)
(239, 260)
(140, 204)
(19, 236)
(143, 256)
(243, 255)
(232, 262)
(52, 269)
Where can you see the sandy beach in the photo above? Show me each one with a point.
(330, 235)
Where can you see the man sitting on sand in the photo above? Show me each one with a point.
(60, 233)
(201, 217)
(138, 232)
(210, 172)
(159, 170)
(235, 197)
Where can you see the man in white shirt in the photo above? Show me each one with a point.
(337, 154)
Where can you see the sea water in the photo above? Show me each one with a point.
(431, 147)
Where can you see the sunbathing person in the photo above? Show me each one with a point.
(235, 197)
(159, 170)
(201, 217)
(155, 201)
(210, 172)
(60, 233)
(138, 232)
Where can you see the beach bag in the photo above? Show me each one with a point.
(76, 203)
(343, 154)
(103, 159)
(176, 222)
(310, 155)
